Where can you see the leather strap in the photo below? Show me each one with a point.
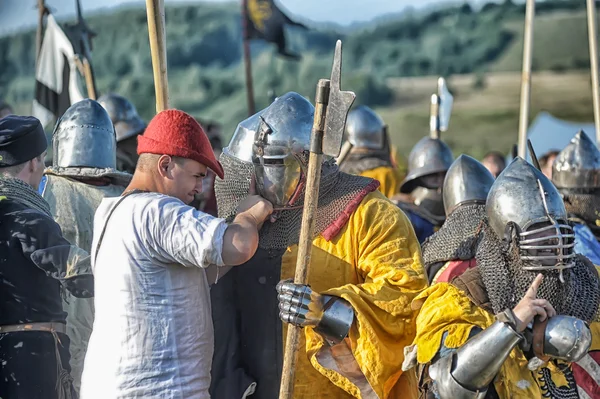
(539, 331)
(51, 327)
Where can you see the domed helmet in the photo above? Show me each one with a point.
(123, 115)
(428, 157)
(578, 164)
(467, 181)
(523, 198)
(365, 129)
(84, 136)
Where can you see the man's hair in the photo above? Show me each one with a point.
(497, 158)
(546, 157)
(147, 162)
(12, 171)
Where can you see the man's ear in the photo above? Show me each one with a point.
(164, 166)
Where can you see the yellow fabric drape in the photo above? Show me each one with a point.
(375, 264)
(389, 179)
(445, 308)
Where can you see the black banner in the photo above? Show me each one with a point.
(264, 20)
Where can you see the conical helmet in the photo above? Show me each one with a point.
(84, 136)
(467, 181)
(523, 197)
(365, 129)
(578, 164)
(429, 156)
(123, 115)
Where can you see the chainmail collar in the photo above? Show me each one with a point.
(358, 162)
(458, 237)
(339, 195)
(116, 177)
(19, 191)
(506, 282)
(583, 206)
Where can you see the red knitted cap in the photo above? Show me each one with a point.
(173, 132)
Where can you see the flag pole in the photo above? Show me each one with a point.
(593, 42)
(155, 10)
(88, 72)
(526, 78)
(40, 28)
(247, 60)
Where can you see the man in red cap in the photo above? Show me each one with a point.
(153, 334)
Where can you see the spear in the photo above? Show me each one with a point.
(593, 42)
(526, 77)
(155, 10)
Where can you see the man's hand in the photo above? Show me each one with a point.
(531, 306)
(255, 207)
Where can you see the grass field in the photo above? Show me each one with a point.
(485, 118)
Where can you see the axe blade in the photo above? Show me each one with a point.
(337, 109)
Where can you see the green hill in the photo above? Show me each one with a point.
(206, 74)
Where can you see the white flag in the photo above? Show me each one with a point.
(57, 83)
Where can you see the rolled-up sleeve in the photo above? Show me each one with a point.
(183, 235)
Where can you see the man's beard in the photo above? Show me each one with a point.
(506, 281)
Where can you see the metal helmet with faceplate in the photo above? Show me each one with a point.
(429, 156)
(467, 181)
(578, 164)
(523, 197)
(123, 115)
(281, 141)
(365, 129)
(84, 136)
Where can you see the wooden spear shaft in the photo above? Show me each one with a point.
(247, 61)
(155, 10)
(311, 198)
(40, 29)
(526, 78)
(593, 42)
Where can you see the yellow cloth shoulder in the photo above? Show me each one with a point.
(375, 264)
(389, 179)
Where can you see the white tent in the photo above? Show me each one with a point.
(549, 133)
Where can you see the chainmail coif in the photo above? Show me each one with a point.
(506, 282)
(583, 205)
(458, 237)
(336, 191)
(19, 191)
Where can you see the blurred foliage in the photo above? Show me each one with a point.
(206, 75)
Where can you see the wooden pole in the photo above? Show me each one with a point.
(526, 78)
(247, 61)
(40, 29)
(311, 198)
(155, 10)
(90, 82)
(593, 42)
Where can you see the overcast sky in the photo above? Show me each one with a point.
(16, 14)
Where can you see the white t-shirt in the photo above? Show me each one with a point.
(153, 332)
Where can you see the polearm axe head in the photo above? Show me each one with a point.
(445, 107)
(337, 108)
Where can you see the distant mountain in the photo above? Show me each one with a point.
(204, 53)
